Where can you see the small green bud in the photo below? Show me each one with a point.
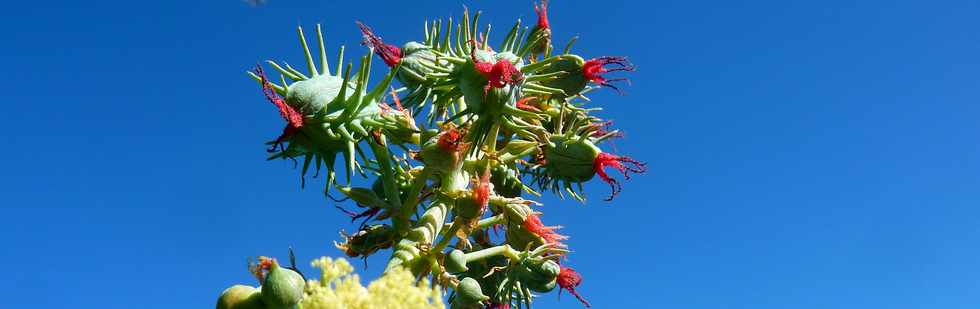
(467, 207)
(505, 181)
(469, 292)
(456, 262)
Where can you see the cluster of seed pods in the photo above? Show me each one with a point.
(474, 131)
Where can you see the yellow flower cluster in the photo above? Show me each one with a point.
(338, 288)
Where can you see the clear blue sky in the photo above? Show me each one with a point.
(803, 154)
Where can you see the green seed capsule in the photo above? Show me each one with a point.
(538, 275)
(574, 81)
(283, 288)
(570, 158)
(456, 262)
(312, 95)
(414, 60)
(548, 268)
(539, 286)
(240, 297)
(469, 292)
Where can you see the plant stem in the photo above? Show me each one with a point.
(412, 201)
(504, 250)
(447, 237)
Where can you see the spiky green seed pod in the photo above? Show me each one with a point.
(571, 158)
(538, 275)
(416, 62)
(573, 82)
(283, 287)
(240, 297)
(313, 95)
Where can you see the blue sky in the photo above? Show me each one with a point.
(803, 154)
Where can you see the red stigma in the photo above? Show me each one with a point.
(595, 67)
(522, 104)
(604, 160)
(294, 120)
(450, 140)
(498, 306)
(499, 74)
(602, 128)
(568, 279)
(481, 190)
(367, 214)
(259, 270)
(390, 54)
(542, 11)
(534, 225)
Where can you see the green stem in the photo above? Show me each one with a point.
(504, 250)
(484, 223)
(429, 225)
(408, 205)
(507, 158)
(447, 237)
(488, 222)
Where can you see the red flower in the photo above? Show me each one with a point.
(568, 279)
(499, 74)
(595, 67)
(534, 225)
(542, 11)
(604, 160)
(294, 120)
(390, 54)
